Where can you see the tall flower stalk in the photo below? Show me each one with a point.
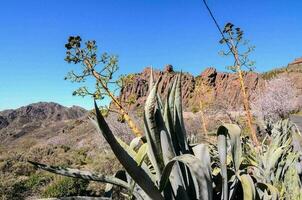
(105, 83)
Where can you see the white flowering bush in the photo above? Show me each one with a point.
(276, 101)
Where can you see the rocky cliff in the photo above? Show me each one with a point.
(210, 86)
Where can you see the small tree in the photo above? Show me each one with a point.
(102, 69)
(276, 101)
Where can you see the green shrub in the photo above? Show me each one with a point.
(80, 156)
(12, 187)
(65, 186)
(37, 180)
(21, 168)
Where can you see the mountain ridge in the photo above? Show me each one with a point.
(15, 123)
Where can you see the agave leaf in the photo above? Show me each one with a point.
(198, 169)
(169, 125)
(135, 142)
(159, 121)
(166, 143)
(176, 178)
(288, 160)
(137, 191)
(141, 154)
(273, 158)
(178, 105)
(180, 132)
(222, 153)
(201, 152)
(171, 98)
(291, 160)
(136, 172)
(130, 149)
(86, 175)
(180, 135)
(224, 132)
(140, 194)
(273, 190)
(234, 134)
(178, 117)
(233, 186)
(171, 130)
(249, 191)
(151, 83)
(151, 131)
(160, 104)
(126, 147)
(109, 187)
(139, 158)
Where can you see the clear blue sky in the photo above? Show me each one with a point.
(141, 32)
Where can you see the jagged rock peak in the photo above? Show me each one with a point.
(168, 68)
(209, 75)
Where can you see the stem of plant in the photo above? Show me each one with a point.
(204, 123)
(204, 126)
(127, 117)
(246, 101)
(242, 85)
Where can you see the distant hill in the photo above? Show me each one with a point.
(51, 123)
(28, 119)
(40, 111)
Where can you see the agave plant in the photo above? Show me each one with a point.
(164, 165)
(277, 160)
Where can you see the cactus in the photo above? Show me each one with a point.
(164, 165)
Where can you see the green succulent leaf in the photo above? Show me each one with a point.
(139, 158)
(152, 132)
(135, 142)
(234, 132)
(178, 117)
(222, 153)
(176, 178)
(86, 175)
(135, 171)
(168, 119)
(121, 174)
(197, 168)
(274, 193)
(231, 132)
(248, 186)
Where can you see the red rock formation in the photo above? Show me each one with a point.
(168, 68)
(297, 61)
(139, 86)
(223, 86)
